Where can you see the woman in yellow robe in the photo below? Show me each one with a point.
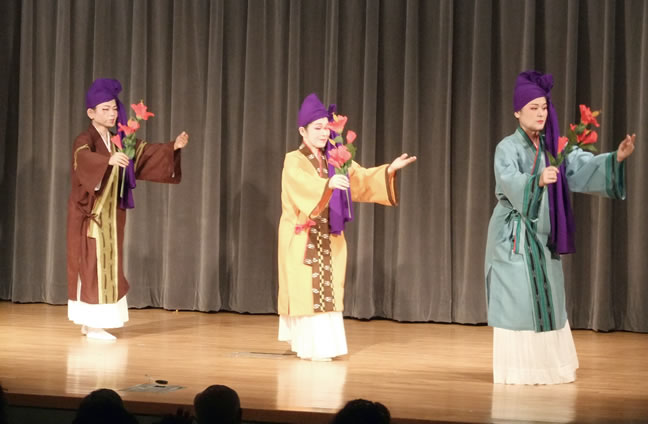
(312, 258)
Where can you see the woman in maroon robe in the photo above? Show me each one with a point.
(96, 216)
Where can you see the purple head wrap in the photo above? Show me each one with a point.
(311, 110)
(340, 210)
(528, 86)
(104, 90)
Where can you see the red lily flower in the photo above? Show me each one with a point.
(338, 124)
(116, 140)
(587, 116)
(562, 142)
(133, 124)
(140, 111)
(588, 137)
(339, 156)
(126, 129)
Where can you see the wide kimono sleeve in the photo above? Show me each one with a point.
(308, 193)
(519, 188)
(157, 162)
(596, 174)
(373, 185)
(89, 166)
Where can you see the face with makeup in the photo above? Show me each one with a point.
(104, 114)
(533, 115)
(316, 134)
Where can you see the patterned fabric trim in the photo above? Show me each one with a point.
(85, 146)
(541, 298)
(138, 153)
(105, 236)
(544, 315)
(318, 246)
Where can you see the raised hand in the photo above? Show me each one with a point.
(400, 162)
(626, 147)
(181, 141)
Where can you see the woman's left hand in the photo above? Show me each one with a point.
(181, 140)
(626, 147)
(400, 162)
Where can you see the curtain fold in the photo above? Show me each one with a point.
(430, 78)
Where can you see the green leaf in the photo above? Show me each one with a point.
(589, 148)
(352, 149)
(569, 148)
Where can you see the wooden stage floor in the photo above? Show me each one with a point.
(422, 372)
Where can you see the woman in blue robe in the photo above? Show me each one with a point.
(531, 226)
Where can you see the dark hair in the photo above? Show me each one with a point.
(217, 404)
(103, 406)
(361, 411)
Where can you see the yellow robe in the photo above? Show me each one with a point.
(304, 194)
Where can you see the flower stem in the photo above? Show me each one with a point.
(121, 192)
(348, 202)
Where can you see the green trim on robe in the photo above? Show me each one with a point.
(615, 177)
(540, 290)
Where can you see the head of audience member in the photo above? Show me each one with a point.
(4, 419)
(361, 411)
(217, 404)
(103, 406)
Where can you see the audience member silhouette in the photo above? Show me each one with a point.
(361, 411)
(217, 405)
(103, 406)
(4, 413)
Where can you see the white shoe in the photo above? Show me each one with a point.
(99, 334)
(84, 329)
(321, 359)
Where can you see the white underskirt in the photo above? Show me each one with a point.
(527, 357)
(314, 336)
(105, 315)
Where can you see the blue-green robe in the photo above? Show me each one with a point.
(524, 280)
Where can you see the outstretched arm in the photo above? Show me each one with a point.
(602, 174)
(160, 162)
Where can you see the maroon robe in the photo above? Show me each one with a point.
(155, 162)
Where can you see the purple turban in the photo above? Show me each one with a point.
(340, 210)
(311, 110)
(104, 90)
(528, 86)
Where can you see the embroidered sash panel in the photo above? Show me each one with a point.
(318, 248)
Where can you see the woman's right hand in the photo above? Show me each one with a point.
(118, 158)
(549, 176)
(339, 181)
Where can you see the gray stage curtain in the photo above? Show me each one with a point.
(431, 78)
